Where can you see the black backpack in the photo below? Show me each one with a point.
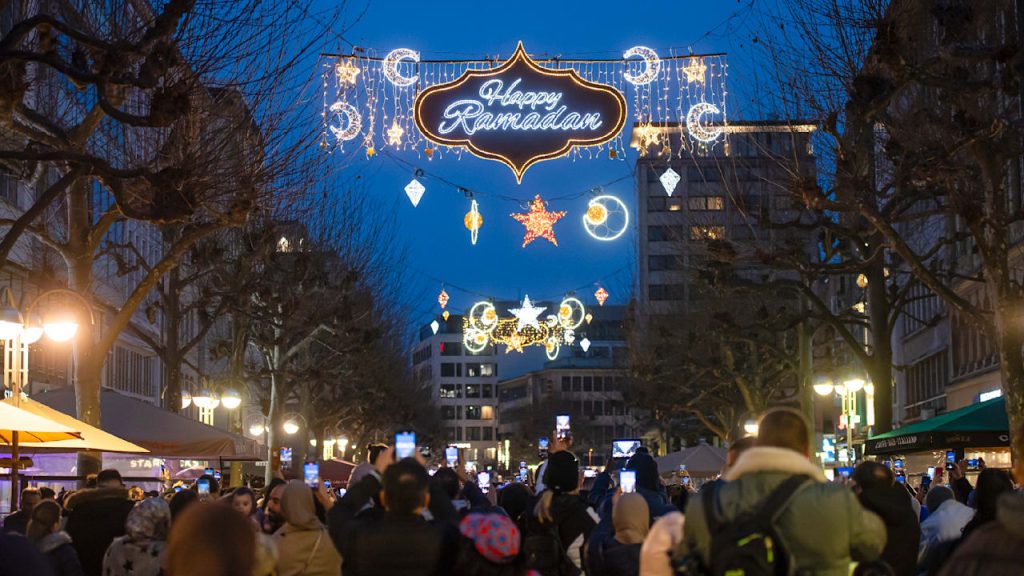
(542, 547)
(749, 545)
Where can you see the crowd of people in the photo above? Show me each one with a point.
(772, 511)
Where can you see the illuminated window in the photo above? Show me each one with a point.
(487, 413)
(450, 391)
(707, 232)
(206, 416)
(673, 204)
(283, 245)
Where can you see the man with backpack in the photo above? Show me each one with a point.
(776, 514)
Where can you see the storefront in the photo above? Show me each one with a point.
(978, 431)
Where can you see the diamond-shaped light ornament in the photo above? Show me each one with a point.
(414, 190)
(669, 180)
(442, 299)
(434, 326)
(589, 318)
(585, 344)
(445, 315)
(601, 296)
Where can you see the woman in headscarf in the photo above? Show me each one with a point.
(617, 553)
(489, 545)
(140, 551)
(303, 544)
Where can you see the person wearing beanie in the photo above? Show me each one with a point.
(490, 545)
(614, 546)
(560, 521)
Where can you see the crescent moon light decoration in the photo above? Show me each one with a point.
(651, 68)
(606, 218)
(391, 62)
(345, 113)
(698, 130)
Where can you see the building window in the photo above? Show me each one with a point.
(657, 262)
(479, 370)
(206, 415)
(707, 232)
(487, 412)
(451, 348)
(450, 433)
(472, 413)
(664, 292)
(577, 383)
(588, 384)
(449, 370)
(473, 433)
(488, 433)
(926, 381)
(566, 383)
(451, 391)
(448, 412)
(472, 390)
(703, 203)
(488, 391)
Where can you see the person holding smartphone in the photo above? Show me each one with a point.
(303, 544)
(559, 507)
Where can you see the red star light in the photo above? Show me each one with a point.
(539, 222)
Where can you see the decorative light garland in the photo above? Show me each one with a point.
(482, 326)
(539, 222)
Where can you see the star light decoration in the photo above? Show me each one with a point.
(539, 222)
(347, 71)
(695, 71)
(601, 295)
(482, 326)
(395, 134)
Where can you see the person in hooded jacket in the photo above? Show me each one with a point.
(559, 515)
(648, 485)
(140, 551)
(614, 545)
(878, 491)
(44, 531)
(95, 517)
(303, 544)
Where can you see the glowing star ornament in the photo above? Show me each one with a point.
(669, 180)
(434, 326)
(391, 63)
(601, 295)
(347, 71)
(442, 299)
(414, 190)
(695, 71)
(515, 342)
(652, 65)
(699, 131)
(395, 134)
(539, 222)
(473, 221)
(526, 314)
(585, 344)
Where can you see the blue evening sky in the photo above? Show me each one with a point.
(437, 243)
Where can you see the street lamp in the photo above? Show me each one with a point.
(231, 399)
(750, 427)
(847, 391)
(206, 398)
(290, 427)
(257, 429)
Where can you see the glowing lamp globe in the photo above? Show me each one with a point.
(60, 330)
(342, 442)
(231, 399)
(328, 442)
(205, 398)
(290, 427)
(10, 324)
(312, 441)
(257, 429)
(32, 333)
(854, 384)
(186, 399)
(473, 221)
(597, 214)
(823, 387)
(750, 427)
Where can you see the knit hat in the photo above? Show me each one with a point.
(646, 470)
(494, 536)
(562, 473)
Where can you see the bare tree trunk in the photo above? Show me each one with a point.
(274, 418)
(880, 367)
(805, 366)
(172, 342)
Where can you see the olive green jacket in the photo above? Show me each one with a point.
(823, 527)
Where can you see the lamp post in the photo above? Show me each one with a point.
(19, 329)
(847, 392)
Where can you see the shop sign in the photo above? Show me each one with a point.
(520, 112)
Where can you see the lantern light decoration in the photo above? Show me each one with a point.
(445, 315)
(589, 318)
(442, 298)
(601, 295)
(539, 222)
(414, 190)
(434, 326)
(483, 326)
(669, 180)
(585, 344)
(473, 221)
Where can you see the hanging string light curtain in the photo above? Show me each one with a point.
(368, 99)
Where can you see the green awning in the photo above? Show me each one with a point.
(976, 426)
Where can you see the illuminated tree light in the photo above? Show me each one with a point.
(695, 71)
(601, 295)
(669, 180)
(652, 65)
(414, 190)
(442, 299)
(696, 129)
(391, 62)
(539, 222)
(612, 218)
(349, 121)
(473, 221)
